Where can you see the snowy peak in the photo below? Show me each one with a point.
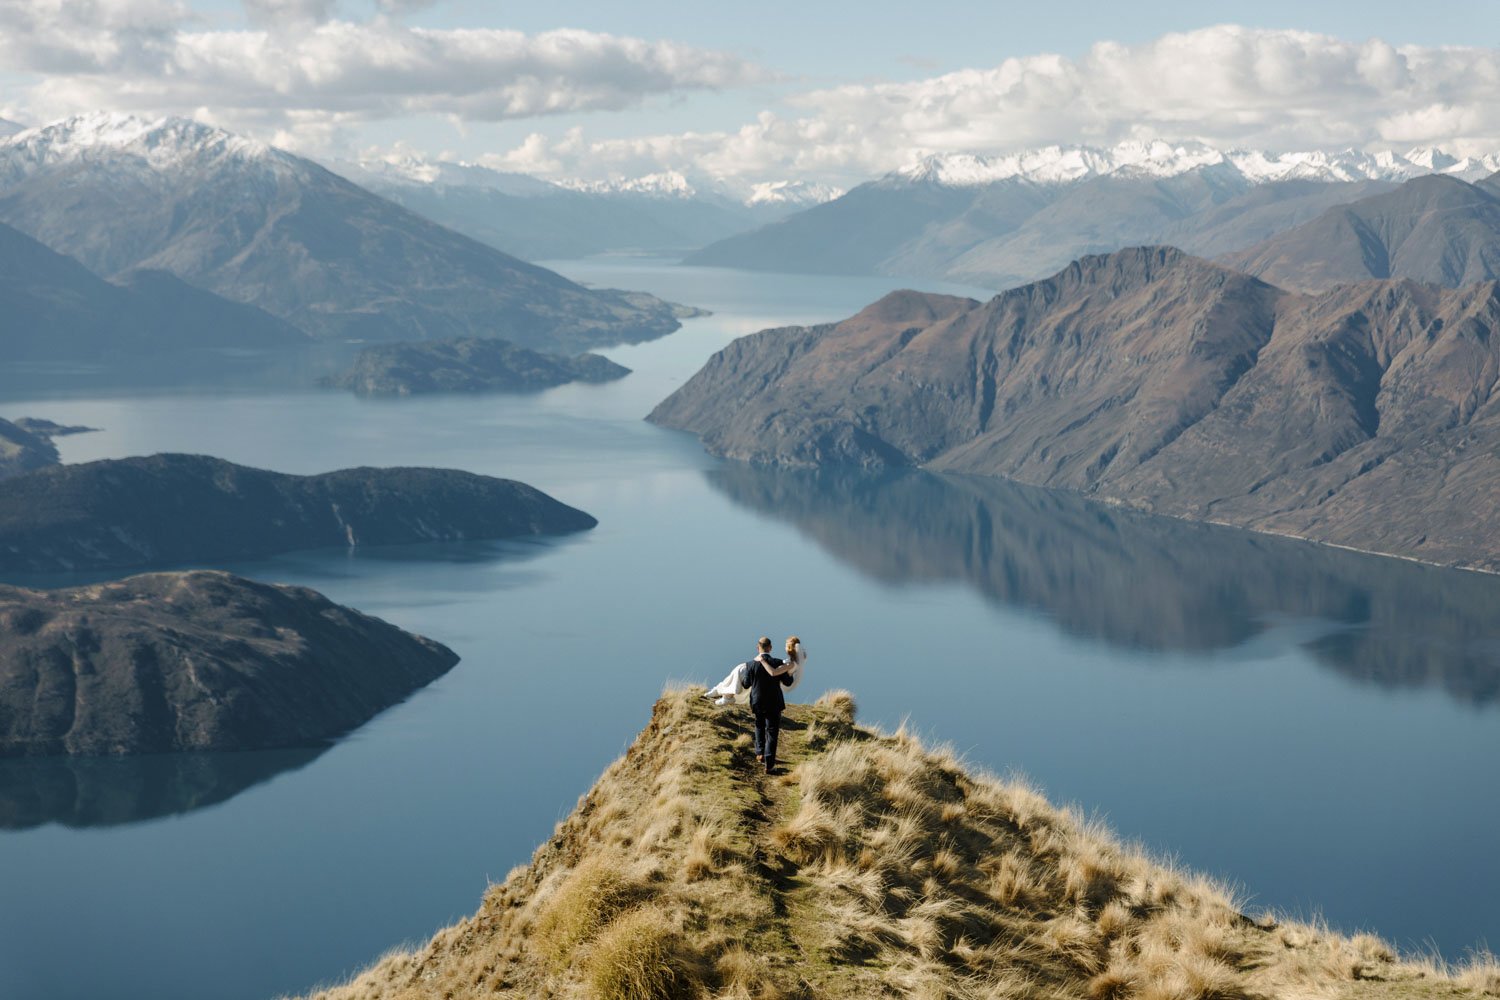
(667, 184)
(1053, 165)
(799, 194)
(163, 145)
(9, 128)
(405, 168)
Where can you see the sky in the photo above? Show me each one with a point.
(831, 92)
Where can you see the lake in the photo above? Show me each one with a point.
(1318, 727)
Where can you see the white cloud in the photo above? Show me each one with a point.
(1226, 85)
(299, 65)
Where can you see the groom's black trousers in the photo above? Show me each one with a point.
(767, 729)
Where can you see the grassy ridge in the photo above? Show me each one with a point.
(876, 867)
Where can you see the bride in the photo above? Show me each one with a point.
(731, 688)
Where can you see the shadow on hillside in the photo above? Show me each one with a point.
(1144, 582)
(110, 791)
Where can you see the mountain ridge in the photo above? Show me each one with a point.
(1002, 221)
(1362, 417)
(121, 193)
(1434, 229)
(876, 866)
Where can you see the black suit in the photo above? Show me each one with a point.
(767, 704)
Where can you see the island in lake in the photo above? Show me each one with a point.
(467, 364)
(195, 661)
(180, 509)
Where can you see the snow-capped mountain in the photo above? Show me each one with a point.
(8, 127)
(666, 184)
(143, 147)
(259, 225)
(409, 169)
(1053, 165)
(796, 194)
(1000, 221)
(787, 194)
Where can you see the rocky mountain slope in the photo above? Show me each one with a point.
(1364, 417)
(467, 365)
(877, 867)
(53, 308)
(258, 225)
(175, 509)
(1436, 229)
(1001, 221)
(195, 661)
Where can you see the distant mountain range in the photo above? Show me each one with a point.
(662, 213)
(1366, 416)
(998, 222)
(257, 225)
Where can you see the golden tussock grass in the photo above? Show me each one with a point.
(876, 867)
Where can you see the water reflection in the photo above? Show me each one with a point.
(1145, 582)
(109, 791)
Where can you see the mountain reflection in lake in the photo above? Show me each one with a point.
(109, 791)
(1144, 582)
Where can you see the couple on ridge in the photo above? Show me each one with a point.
(764, 677)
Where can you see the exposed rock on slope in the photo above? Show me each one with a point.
(195, 661)
(258, 225)
(190, 508)
(875, 868)
(1438, 230)
(467, 365)
(1364, 417)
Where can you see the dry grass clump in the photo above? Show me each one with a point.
(639, 958)
(876, 867)
(588, 899)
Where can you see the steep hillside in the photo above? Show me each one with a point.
(195, 661)
(1438, 230)
(876, 868)
(258, 225)
(175, 509)
(1364, 417)
(52, 308)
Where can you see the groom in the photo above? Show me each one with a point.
(764, 677)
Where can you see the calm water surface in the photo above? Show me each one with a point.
(1319, 727)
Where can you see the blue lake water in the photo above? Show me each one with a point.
(1319, 727)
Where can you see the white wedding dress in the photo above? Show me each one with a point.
(730, 689)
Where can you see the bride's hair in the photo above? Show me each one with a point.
(793, 644)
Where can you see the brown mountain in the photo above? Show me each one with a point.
(1434, 229)
(195, 661)
(1362, 417)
